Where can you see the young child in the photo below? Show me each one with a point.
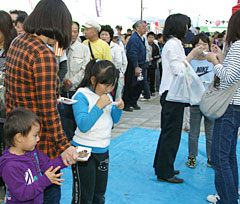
(94, 115)
(25, 170)
(204, 70)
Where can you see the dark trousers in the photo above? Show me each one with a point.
(151, 78)
(52, 194)
(169, 140)
(146, 90)
(90, 180)
(67, 117)
(132, 88)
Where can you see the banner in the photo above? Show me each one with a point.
(98, 8)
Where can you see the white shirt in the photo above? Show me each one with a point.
(173, 56)
(78, 56)
(119, 57)
(116, 55)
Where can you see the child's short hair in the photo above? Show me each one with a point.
(19, 120)
(152, 34)
(200, 36)
(104, 71)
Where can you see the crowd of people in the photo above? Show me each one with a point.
(102, 73)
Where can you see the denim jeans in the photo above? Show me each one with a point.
(223, 153)
(195, 123)
(52, 194)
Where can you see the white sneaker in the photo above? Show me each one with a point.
(144, 99)
(213, 198)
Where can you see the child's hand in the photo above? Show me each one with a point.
(120, 106)
(53, 177)
(103, 101)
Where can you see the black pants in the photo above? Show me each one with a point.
(67, 118)
(132, 88)
(90, 180)
(169, 140)
(151, 78)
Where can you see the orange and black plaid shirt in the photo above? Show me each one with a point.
(31, 81)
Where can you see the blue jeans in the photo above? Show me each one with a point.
(52, 194)
(223, 153)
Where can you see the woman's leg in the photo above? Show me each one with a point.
(171, 124)
(223, 156)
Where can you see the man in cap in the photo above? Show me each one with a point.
(98, 48)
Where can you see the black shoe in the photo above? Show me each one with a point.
(171, 180)
(136, 107)
(176, 172)
(128, 108)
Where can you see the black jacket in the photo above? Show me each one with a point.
(155, 55)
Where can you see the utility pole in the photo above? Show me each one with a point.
(141, 9)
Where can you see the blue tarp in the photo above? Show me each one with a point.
(132, 179)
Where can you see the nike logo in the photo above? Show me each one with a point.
(203, 73)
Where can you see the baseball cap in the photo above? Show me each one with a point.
(115, 34)
(92, 24)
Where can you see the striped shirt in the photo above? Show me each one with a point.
(229, 71)
(31, 81)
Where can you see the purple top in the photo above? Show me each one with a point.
(24, 175)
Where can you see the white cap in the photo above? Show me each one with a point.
(115, 34)
(92, 24)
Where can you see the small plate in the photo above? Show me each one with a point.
(87, 150)
(67, 101)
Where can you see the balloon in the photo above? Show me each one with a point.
(218, 22)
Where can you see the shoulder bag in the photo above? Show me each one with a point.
(90, 48)
(215, 101)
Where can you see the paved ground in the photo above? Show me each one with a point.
(147, 117)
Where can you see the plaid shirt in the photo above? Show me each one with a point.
(31, 81)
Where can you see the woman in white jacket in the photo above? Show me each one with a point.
(173, 62)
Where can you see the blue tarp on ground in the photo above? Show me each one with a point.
(132, 179)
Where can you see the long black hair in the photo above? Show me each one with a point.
(7, 29)
(104, 72)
